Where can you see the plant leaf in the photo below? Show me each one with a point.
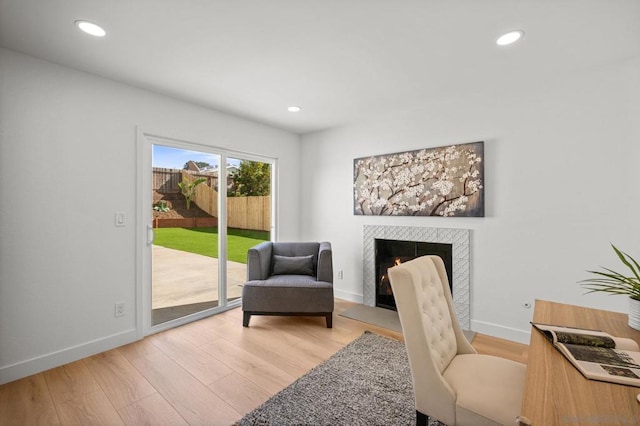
(613, 282)
(623, 257)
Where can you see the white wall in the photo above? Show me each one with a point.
(68, 162)
(561, 182)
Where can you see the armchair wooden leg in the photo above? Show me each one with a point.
(246, 317)
(329, 317)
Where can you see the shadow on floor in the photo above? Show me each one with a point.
(160, 315)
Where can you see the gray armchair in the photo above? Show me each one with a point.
(289, 279)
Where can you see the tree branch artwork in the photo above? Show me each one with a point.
(445, 181)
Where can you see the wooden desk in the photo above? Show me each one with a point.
(556, 393)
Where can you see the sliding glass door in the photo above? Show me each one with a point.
(207, 207)
(248, 216)
(185, 220)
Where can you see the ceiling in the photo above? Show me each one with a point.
(340, 60)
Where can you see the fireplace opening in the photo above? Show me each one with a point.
(389, 253)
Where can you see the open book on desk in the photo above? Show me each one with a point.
(596, 354)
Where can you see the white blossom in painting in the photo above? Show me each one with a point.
(446, 181)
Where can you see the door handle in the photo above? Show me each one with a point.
(152, 233)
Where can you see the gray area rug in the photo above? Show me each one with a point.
(368, 382)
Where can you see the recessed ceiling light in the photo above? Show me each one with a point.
(91, 28)
(510, 37)
(294, 109)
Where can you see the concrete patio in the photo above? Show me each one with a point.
(182, 278)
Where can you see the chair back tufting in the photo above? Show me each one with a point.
(436, 319)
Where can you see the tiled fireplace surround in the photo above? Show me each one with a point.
(458, 238)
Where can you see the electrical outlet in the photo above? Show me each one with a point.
(119, 219)
(340, 274)
(119, 310)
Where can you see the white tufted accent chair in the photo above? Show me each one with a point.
(451, 381)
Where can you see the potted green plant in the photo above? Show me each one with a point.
(612, 282)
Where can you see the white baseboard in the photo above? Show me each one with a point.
(500, 331)
(347, 295)
(36, 365)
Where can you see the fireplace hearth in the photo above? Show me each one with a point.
(389, 253)
(459, 239)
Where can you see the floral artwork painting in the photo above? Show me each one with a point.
(445, 181)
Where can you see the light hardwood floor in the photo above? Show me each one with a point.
(210, 372)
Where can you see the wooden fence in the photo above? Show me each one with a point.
(249, 212)
(206, 197)
(166, 181)
(242, 212)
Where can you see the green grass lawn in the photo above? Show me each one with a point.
(204, 241)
